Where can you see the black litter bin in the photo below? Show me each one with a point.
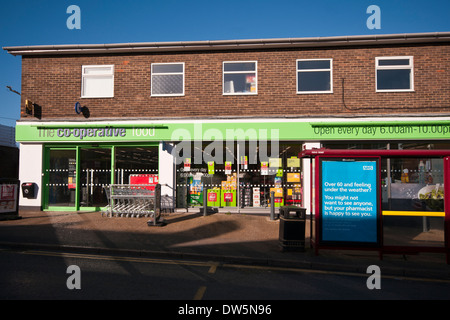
(292, 228)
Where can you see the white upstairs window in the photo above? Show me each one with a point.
(97, 81)
(394, 74)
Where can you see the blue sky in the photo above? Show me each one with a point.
(39, 22)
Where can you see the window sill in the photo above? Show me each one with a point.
(109, 97)
(167, 95)
(241, 94)
(315, 92)
(391, 91)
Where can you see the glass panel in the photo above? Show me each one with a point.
(167, 84)
(167, 68)
(394, 79)
(314, 64)
(98, 86)
(263, 167)
(95, 174)
(413, 201)
(240, 83)
(62, 178)
(136, 165)
(393, 62)
(98, 70)
(239, 66)
(415, 185)
(192, 177)
(350, 146)
(413, 231)
(314, 81)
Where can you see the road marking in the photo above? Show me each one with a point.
(213, 265)
(339, 273)
(200, 292)
(119, 258)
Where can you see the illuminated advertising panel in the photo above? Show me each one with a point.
(349, 201)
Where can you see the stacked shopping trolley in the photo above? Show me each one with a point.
(134, 200)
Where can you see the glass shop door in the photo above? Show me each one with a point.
(60, 178)
(95, 174)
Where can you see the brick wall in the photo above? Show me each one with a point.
(54, 82)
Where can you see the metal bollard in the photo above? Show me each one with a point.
(272, 205)
(205, 201)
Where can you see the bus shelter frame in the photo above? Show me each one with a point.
(316, 155)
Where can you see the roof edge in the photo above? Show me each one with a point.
(207, 45)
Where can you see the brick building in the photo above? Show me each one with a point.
(231, 116)
(9, 153)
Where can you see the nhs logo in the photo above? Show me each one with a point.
(367, 168)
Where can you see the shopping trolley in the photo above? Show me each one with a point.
(133, 200)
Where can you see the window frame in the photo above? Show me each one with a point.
(84, 76)
(410, 67)
(239, 72)
(152, 74)
(297, 71)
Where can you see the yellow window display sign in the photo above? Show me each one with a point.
(278, 192)
(275, 162)
(293, 177)
(293, 162)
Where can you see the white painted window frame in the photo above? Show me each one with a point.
(239, 72)
(314, 70)
(167, 73)
(395, 67)
(85, 76)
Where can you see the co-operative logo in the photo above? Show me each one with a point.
(367, 168)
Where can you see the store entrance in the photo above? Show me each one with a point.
(95, 174)
(61, 178)
(75, 177)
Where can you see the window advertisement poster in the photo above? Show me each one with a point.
(211, 167)
(8, 198)
(275, 162)
(264, 168)
(72, 183)
(187, 164)
(244, 162)
(227, 167)
(349, 201)
(293, 162)
(196, 189)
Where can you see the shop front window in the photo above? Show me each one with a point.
(219, 177)
(136, 165)
(413, 201)
(243, 177)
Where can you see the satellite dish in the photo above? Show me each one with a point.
(78, 108)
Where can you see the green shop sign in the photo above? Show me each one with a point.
(383, 130)
(221, 131)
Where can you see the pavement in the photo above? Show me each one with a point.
(223, 237)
